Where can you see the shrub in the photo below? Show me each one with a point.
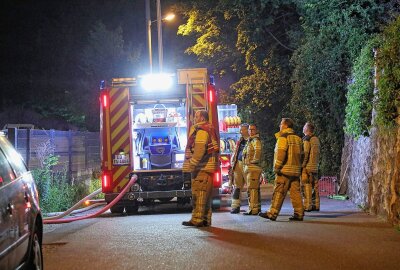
(55, 193)
(94, 185)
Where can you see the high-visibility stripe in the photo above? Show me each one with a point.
(121, 144)
(198, 92)
(121, 184)
(119, 112)
(120, 177)
(199, 101)
(117, 137)
(117, 96)
(119, 131)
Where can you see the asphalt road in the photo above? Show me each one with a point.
(340, 236)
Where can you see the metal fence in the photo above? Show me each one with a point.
(327, 185)
(78, 152)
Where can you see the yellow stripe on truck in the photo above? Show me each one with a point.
(117, 145)
(121, 96)
(121, 184)
(121, 128)
(117, 114)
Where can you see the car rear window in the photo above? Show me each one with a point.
(6, 173)
(13, 157)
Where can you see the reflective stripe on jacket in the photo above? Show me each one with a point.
(235, 155)
(252, 153)
(288, 151)
(200, 153)
(311, 147)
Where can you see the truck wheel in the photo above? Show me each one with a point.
(132, 209)
(216, 203)
(165, 200)
(116, 209)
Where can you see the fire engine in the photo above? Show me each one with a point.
(144, 124)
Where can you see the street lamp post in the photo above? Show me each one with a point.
(148, 24)
(159, 20)
(159, 37)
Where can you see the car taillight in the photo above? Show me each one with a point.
(217, 180)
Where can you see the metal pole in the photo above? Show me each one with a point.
(148, 24)
(159, 28)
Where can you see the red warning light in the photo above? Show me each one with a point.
(105, 100)
(217, 180)
(211, 95)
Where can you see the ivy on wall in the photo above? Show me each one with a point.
(361, 93)
(388, 99)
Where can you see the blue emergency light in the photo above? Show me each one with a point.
(102, 85)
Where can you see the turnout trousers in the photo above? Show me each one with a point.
(311, 190)
(202, 183)
(238, 181)
(253, 188)
(283, 184)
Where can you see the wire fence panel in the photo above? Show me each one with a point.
(78, 152)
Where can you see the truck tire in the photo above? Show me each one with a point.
(132, 209)
(117, 209)
(216, 203)
(165, 200)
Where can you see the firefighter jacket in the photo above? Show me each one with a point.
(201, 153)
(252, 153)
(311, 146)
(288, 153)
(236, 153)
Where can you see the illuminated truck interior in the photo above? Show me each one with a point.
(159, 136)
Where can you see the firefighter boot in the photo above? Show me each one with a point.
(253, 202)
(267, 215)
(315, 196)
(200, 210)
(235, 201)
(307, 197)
(296, 217)
(276, 203)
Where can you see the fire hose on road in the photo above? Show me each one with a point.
(59, 219)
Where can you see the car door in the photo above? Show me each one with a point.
(18, 190)
(6, 211)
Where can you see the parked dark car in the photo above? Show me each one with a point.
(21, 227)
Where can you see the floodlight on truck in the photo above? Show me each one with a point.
(156, 81)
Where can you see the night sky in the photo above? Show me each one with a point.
(54, 53)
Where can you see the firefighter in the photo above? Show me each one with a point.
(201, 160)
(238, 179)
(287, 168)
(252, 169)
(309, 172)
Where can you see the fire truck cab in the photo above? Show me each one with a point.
(144, 125)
